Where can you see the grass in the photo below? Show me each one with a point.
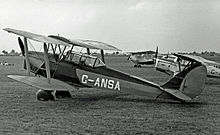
(92, 111)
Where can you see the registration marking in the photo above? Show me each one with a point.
(91, 80)
(101, 82)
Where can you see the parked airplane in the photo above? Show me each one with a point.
(143, 58)
(167, 64)
(62, 70)
(5, 63)
(171, 65)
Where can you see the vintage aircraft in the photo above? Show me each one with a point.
(5, 63)
(63, 70)
(143, 58)
(171, 65)
(168, 64)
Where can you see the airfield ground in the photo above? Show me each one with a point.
(92, 111)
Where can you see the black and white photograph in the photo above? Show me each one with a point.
(109, 67)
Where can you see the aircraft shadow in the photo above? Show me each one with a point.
(136, 99)
(144, 67)
(97, 97)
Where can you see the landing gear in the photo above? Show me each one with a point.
(62, 94)
(137, 65)
(45, 95)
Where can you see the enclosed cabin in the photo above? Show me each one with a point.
(87, 58)
(84, 59)
(170, 58)
(78, 55)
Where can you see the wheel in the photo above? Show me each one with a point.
(63, 94)
(135, 65)
(139, 66)
(44, 95)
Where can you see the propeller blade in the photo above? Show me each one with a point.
(156, 52)
(21, 46)
(129, 57)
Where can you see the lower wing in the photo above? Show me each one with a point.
(42, 83)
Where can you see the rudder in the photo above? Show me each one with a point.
(194, 82)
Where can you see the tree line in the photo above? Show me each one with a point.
(11, 53)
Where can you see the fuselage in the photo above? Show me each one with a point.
(142, 59)
(170, 64)
(213, 70)
(85, 71)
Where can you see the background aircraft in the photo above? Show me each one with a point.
(171, 65)
(5, 63)
(143, 58)
(62, 69)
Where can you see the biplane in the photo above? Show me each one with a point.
(143, 57)
(171, 65)
(62, 70)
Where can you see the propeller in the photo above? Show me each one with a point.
(21, 46)
(129, 57)
(156, 53)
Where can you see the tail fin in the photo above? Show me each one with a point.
(189, 83)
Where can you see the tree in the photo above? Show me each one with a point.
(12, 52)
(4, 52)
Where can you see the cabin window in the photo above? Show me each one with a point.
(73, 57)
(89, 61)
(172, 58)
(216, 66)
(85, 59)
(99, 63)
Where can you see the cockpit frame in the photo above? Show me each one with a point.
(84, 59)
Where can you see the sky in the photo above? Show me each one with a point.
(130, 25)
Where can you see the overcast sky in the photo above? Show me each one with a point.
(131, 25)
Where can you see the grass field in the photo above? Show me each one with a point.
(92, 111)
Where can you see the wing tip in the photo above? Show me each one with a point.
(6, 29)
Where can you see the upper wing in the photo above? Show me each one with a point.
(42, 83)
(143, 52)
(203, 60)
(87, 43)
(188, 58)
(36, 37)
(96, 45)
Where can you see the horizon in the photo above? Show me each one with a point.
(136, 25)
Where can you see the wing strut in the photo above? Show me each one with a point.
(88, 51)
(47, 64)
(102, 56)
(26, 56)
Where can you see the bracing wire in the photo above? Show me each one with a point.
(32, 47)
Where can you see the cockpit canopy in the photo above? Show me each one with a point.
(84, 59)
